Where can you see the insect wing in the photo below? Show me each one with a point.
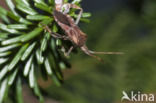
(60, 17)
(72, 30)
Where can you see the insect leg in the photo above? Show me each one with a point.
(55, 35)
(59, 36)
(80, 13)
(68, 52)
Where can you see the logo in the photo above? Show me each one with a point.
(137, 97)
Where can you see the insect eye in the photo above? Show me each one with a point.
(58, 1)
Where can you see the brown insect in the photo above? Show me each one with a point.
(72, 31)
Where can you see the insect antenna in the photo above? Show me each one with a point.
(91, 53)
(109, 53)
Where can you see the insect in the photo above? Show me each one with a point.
(72, 31)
